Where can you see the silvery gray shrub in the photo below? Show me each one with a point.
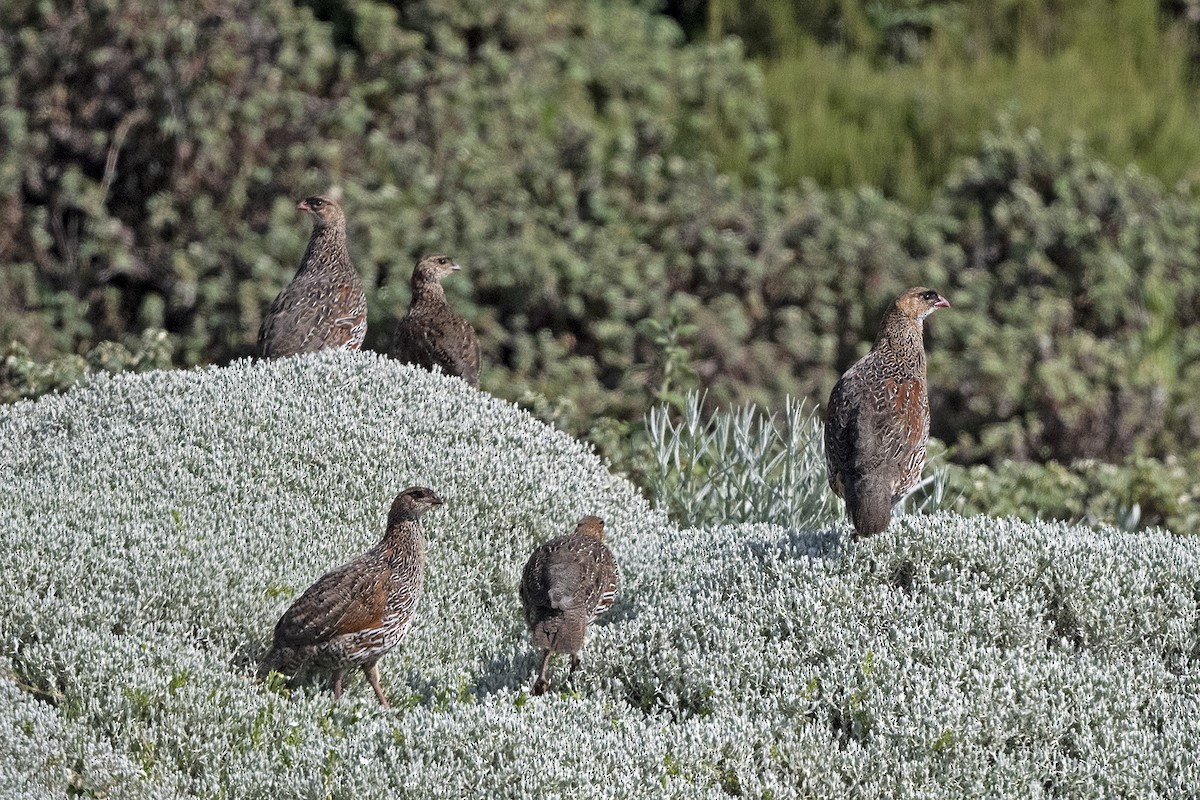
(154, 527)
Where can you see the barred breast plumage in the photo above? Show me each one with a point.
(324, 306)
(430, 333)
(877, 420)
(355, 614)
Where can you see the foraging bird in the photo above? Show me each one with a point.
(324, 305)
(358, 612)
(430, 332)
(566, 584)
(877, 421)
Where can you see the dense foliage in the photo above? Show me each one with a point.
(157, 524)
(1077, 292)
(22, 376)
(1143, 492)
(149, 170)
(609, 189)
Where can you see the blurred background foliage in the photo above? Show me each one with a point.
(648, 199)
(891, 93)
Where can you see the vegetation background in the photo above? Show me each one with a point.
(648, 199)
(651, 200)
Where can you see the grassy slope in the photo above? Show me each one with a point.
(156, 525)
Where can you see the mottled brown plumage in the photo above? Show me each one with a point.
(430, 333)
(566, 584)
(324, 305)
(356, 613)
(877, 421)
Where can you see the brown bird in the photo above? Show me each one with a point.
(877, 421)
(355, 614)
(324, 305)
(430, 332)
(566, 584)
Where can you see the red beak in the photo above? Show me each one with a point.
(303, 206)
(942, 302)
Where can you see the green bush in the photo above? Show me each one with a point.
(566, 156)
(557, 150)
(578, 159)
(23, 377)
(149, 156)
(1075, 331)
(1139, 493)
